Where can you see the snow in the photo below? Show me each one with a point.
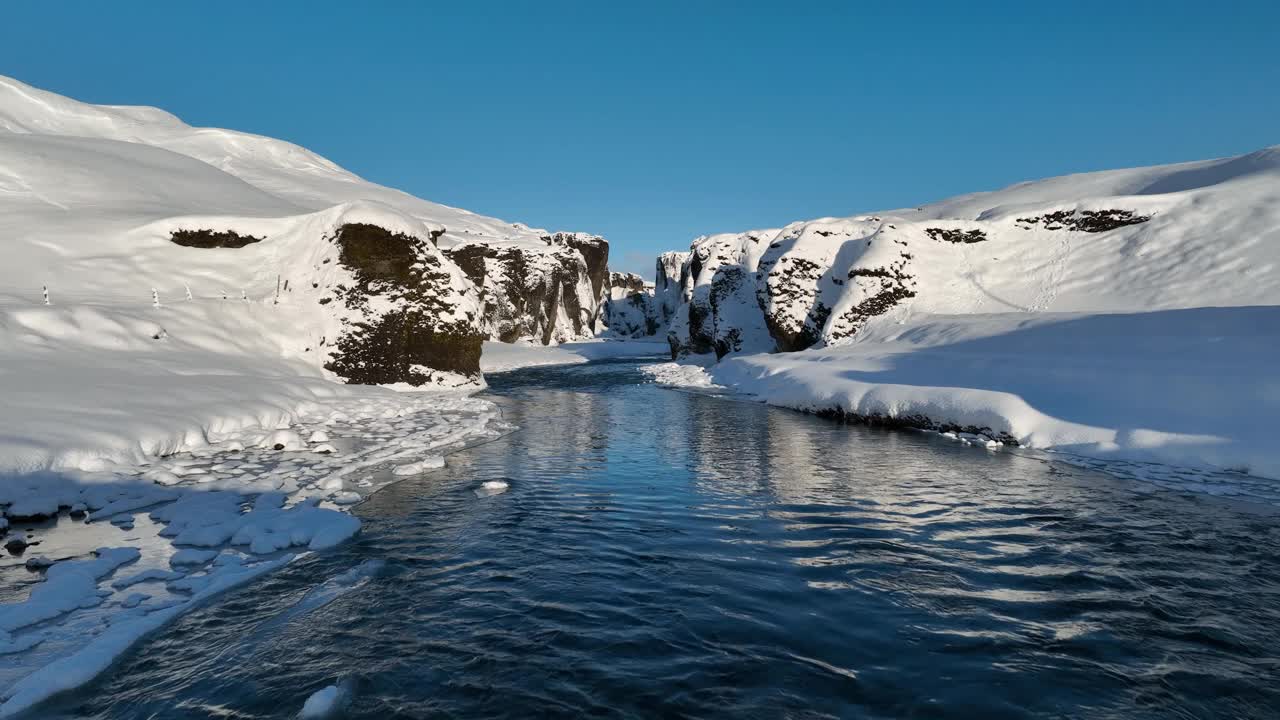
(238, 508)
(1196, 387)
(686, 374)
(66, 587)
(226, 172)
(502, 357)
(98, 652)
(434, 462)
(182, 401)
(1148, 342)
(490, 488)
(323, 703)
(176, 398)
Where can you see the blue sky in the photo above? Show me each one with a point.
(653, 122)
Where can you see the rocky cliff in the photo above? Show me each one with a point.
(547, 293)
(629, 309)
(1107, 241)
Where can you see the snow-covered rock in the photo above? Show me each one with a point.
(548, 293)
(670, 278)
(1123, 314)
(129, 207)
(719, 292)
(1175, 236)
(630, 310)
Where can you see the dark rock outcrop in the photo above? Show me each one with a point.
(790, 283)
(212, 238)
(918, 422)
(956, 235)
(426, 330)
(1090, 221)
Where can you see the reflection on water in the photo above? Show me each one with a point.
(670, 554)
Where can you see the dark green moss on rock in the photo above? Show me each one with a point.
(412, 342)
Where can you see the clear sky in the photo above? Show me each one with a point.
(651, 122)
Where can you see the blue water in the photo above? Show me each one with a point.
(669, 554)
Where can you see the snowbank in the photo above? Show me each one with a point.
(1196, 387)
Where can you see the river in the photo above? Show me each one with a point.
(675, 554)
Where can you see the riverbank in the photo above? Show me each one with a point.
(1195, 387)
(99, 558)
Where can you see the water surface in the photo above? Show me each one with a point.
(669, 554)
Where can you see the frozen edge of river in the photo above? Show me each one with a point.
(215, 518)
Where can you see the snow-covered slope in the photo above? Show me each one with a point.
(922, 316)
(295, 177)
(176, 304)
(1186, 235)
(91, 196)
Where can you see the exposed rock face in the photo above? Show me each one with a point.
(547, 294)
(629, 309)
(952, 235)
(817, 283)
(1090, 221)
(395, 307)
(405, 311)
(718, 284)
(595, 253)
(212, 239)
(808, 284)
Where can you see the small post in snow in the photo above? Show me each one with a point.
(188, 287)
(244, 296)
(155, 298)
(46, 294)
(224, 294)
(277, 300)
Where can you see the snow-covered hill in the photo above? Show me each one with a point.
(923, 316)
(1177, 236)
(102, 204)
(176, 305)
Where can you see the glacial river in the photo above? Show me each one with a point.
(671, 554)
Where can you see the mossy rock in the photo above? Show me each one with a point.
(407, 343)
